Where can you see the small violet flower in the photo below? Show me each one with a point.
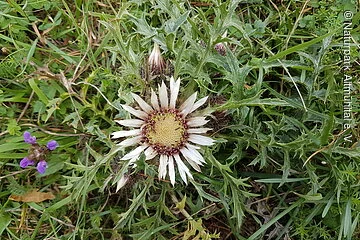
(52, 145)
(26, 162)
(29, 139)
(41, 166)
(37, 153)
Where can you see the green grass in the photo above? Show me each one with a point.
(282, 167)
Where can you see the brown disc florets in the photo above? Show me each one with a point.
(166, 131)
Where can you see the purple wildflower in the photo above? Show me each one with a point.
(52, 145)
(26, 162)
(28, 138)
(37, 153)
(41, 167)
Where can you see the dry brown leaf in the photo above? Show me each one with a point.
(33, 196)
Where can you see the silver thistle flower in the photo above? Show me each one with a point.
(166, 131)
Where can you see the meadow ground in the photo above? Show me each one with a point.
(282, 80)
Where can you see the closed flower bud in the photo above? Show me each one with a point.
(220, 47)
(156, 62)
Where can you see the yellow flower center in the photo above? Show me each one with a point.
(166, 130)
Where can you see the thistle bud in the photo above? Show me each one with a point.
(156, 62)
(220, 47)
